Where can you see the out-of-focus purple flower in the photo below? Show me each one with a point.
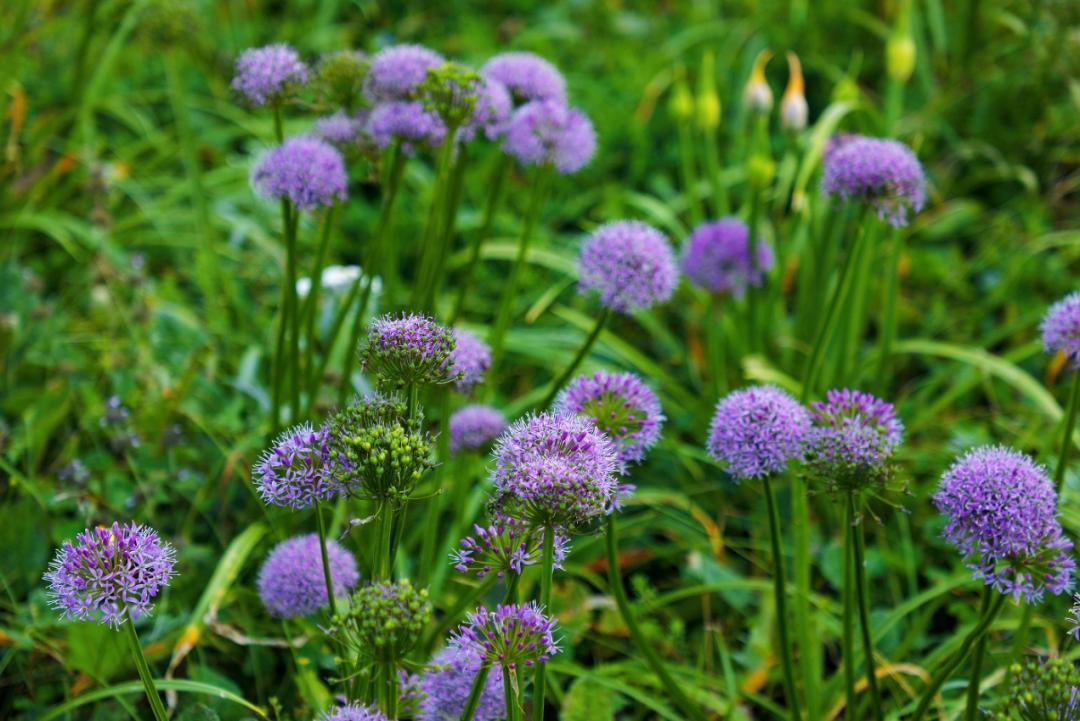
(835, 142)
(340, 129)
(268, 74)
(397, 71)
(853, 438)
(469, 361)
(557, 469)
(407, 122)
(511, 635)
(1061, 329)
(448, 680)
(1002, 516)
(74, 471)
(384, 620)
(490, 114)
(305, 170)
(756, 431)
(475, 426)
(620, 405)
(410, 349)
(716, 257)
(547, 131)
(291, 581)
(295, 471)
(110, 573)
(505, 546)
(630, 264)
(115, 412)
(879, 171)
(527, 76)
(353, 712)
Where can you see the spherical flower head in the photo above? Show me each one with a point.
(879, 171)
(512, 635)
(450, 91)
(406, 121)
(448, 680)
(1061, 329)
(340, 129)
(269, 74)
(527, 76)
(717, 257)
(756, 431)
(384, 620)
(557, 469)
(410, 349)
(306, 171)
(491, 112)
(291, 582)
(353, 712)
(341, 77)
(852, 440)
(474, 427)
(1042, 689)
(469, 361)
(377, 450)
(110, 573)
(295, 471)
(630, 264)
(505, 546)
(1001, 510)
(621, 406)
(547, 131)
(396, 72)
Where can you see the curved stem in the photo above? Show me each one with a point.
(643, 644)
(467, 600)
(971, 710)
(473, 700)
(1066, 440)
(144, 669)
(547, 568)
(779, 581)
(498, 181)
(862, 593)
(331, 601)
(848, 638)
(558, 383)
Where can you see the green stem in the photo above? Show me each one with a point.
(319, 373)
(564, 377)
(513, 705)
(971, 710)
(468, 600)
(446, 235)
(473, 701)
(278, 370)
(714, 345)
(294, 316)
(435, 504)
(498, 181)
(390, 687)
(779, 581)
(547, 568)
(143, 668)
(848, 638)
(433, 229)
(332, 602)
(311, 305)
(643, 644)
(862, 593)
(1066, 438)
(689, 174)
(712, 167)
(752, 292)
(386, 541)
(888, 316)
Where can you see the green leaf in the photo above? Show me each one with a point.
(587, 700)
(133, 687)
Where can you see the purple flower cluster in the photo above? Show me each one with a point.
(353, 712)
(267, 74)
(340, 129)
(491, 112)
(506, 546)
(305, 170)
(1002, 516)
(716, 257)
(1061, 328)
(630, 264)
(511, 635)
(291, 582)
(547, 131)
(756, 431)
(110, 573)
(469, 361)
(560, 469)
(406, 121)
(410, 349)
(295, 472)
(397, 71)
(474, 426)
(853, 439)
(882, 172)
(527, 76)
(621, 406)
(448, 680)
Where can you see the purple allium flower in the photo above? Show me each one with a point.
(490, 114)
(852, 439)
(384, 620)
(406, 121)
(469, 361)
(756, 431)
(295, 471)
(511, 635)
(410, 349)
(1061, 328)
(340, 129)
(395, 72)
(559, 468)
(620, 405)
(291, 582)
(546, 131)
(353, 712)
(527, 76)
(115, 412)
(474, 426)
(305, 170)
(835, 142)
(882, 172)
(716, 257)
(76, 472)
(267, 74)
(448, 680)
(110, 573)
(630, 264)
(1002, 516)
(506, 546)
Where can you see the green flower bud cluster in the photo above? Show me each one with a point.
(450, 91)
(1045, 689)
(385, 620)
(341, 78)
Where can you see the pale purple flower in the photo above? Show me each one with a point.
(407, 122)
(630, 264)
(295, 471)
(469, 361)
(474, 426)
(757, 431)
(507, 545)
(881, 172)
(527, 76)
(410, 349)
(340, 129)
(448, 680)
(268, 74)
(853, 438)
(547, 131)
(291, 582)
(305, 170)
(397, 71)
(1061, 329)
(510, 636)
(490, 114)
(716, 257)
(353, 712)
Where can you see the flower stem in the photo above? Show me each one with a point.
(467, 600)
(473, 701)
(714, 345)
(294, 315)
(435, 504)
(888, 316)
(496, 185)
(848, 638)
(752, 340)
(1066, 440)
(321, 526)
(862, 594)
(643, 644)
(971, 710)
(311, 305)
(144, 669)
(564, 377)
(513, 705)
(547, 568)
(779, 581)
(390, 690)
(433, 236)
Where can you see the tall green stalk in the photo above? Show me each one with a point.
(780, 594)
(435, 504)
(311, 305)
(862, 594)
(321, 526)
(294, 316)
(1067, 433)
(495, 192)
(590, 341)
(143, 668)
(888, 315)
(547, 568)
(847, 639)
(433, 235)
(971, 709)
(511, 700)
(714, 346)
(477, 689)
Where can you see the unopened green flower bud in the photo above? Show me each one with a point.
(760, 170)
(757, 95)
(450, 91)
(708, 100)
(794, 111)
(341, 78)
(681, 103)
(900, 56)
(384, 620)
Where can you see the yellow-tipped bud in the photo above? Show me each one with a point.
(757, 95)
(708, 100)
(900, 57)
(681, 103)
(847, 89)
(794, 112)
